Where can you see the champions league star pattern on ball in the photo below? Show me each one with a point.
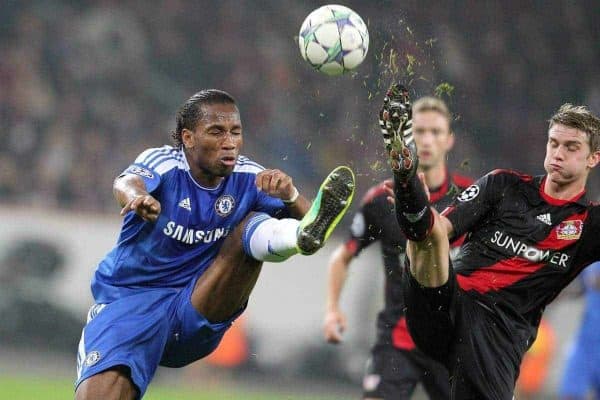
(333, 39)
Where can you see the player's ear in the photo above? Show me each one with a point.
(187, 138)
(594, 159)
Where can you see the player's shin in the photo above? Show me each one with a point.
(270, 239)
(412, 207)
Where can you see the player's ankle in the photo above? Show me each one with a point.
(413, 212)
(417, 230)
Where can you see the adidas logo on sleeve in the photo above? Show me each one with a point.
(185, 203)
(545, 218)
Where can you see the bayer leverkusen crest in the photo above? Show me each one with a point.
(569, 230)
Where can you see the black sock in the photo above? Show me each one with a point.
(412, 208)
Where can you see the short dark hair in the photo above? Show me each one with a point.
(579, 117)
(190, 112)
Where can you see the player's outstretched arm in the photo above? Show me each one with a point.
(278, 184)
(334, 324)
(130, 192)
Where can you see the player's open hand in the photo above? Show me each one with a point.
(276, 183)
(146, 206)
(334, 326)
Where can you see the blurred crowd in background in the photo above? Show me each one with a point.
(85, 86)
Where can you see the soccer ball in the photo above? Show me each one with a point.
(333, 39)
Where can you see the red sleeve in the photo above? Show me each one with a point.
(462, 181)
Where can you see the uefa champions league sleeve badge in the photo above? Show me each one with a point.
(469, 194)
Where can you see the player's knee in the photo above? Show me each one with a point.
(113, 384)
(234, 239)
(233, 248)
(236, 248)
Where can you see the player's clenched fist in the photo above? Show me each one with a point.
(146, 206)
(276, 183)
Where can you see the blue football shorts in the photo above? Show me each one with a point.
(141, 331)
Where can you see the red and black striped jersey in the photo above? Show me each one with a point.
(522, 246)
(376, 221)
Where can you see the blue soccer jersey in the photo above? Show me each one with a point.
(192, 225)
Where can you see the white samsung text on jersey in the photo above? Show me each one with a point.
(191, 236)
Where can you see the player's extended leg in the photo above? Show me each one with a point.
(428, 248)
(226, 285)
(113, 384)
(429, 258)
(233, 274)
(270, 239)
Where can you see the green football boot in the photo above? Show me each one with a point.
(328, 208)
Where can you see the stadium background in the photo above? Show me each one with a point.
(85, 86)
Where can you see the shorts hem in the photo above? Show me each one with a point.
(214, 326)
(99, 368)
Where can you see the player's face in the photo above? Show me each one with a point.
(568, 155)
(215, 144)
(433, 138)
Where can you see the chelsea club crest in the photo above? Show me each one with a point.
(224, 205)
